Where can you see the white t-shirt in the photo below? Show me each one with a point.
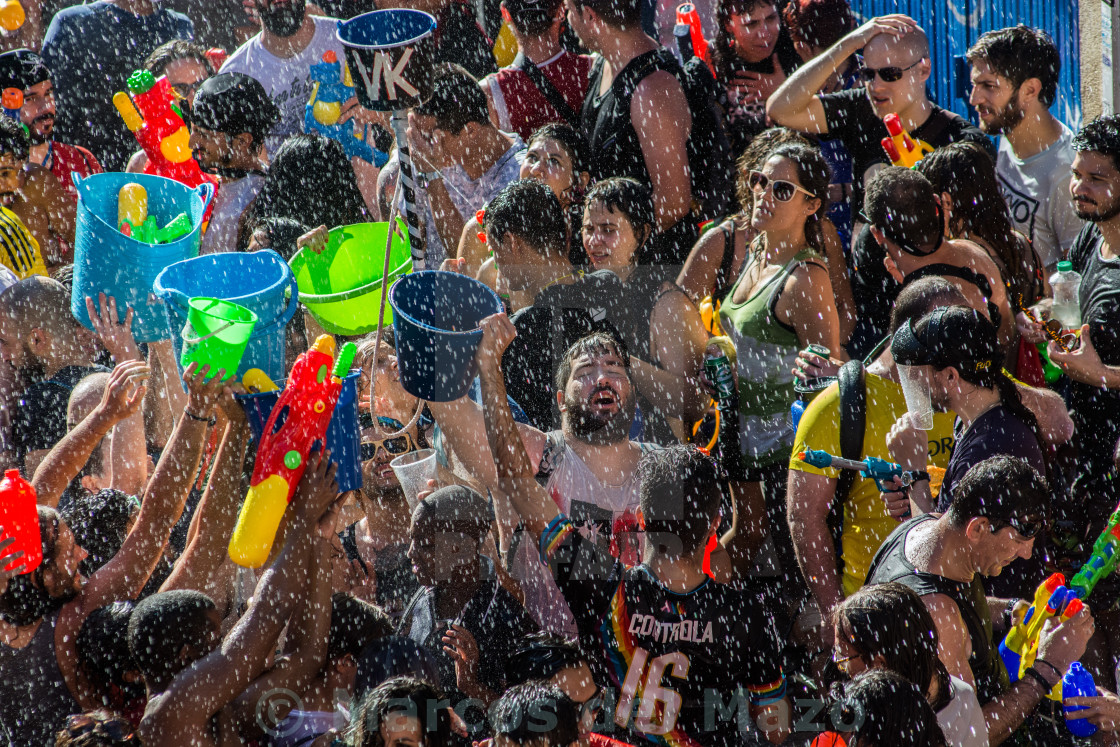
(1037, 192)
(230, 202)
(286, 79)
(962, 720)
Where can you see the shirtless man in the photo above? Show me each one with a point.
(35, 195)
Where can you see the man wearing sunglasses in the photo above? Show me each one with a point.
(895, 67)
(998, 510)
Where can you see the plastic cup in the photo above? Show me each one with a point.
(413, 470)
(217, 333)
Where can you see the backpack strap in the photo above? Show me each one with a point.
(853, 422)
(724, 280)
(549, 91)
(964, 273)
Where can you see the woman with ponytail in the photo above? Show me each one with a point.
(951, 360)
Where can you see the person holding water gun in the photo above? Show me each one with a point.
(998, 509)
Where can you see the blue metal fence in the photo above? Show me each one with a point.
(953, 25)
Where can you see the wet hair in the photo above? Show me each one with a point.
(457, 508)
(619, 14)
(1102, 135)
(530, 211)
(573, 142)
(532, 17)
(902, 204)
(99, 522)
(1020, 53)
(403, 696)
(14, 139)
(173, 51)
(282, 234)
(890, 620)
(818, 23)
(723, 52)
(354, 625)
(104, 656)
(679, 496)
(162, 625)
(36, 302)
(312, 182)
(966, 171)
(754, 158)
(631, 198)
(921, 297)
(456, 101)
(100, 728)
(542, 656)
(536, 713)
(814, 174)
(882, 708)
(1000, 487)
(26, 600)
(595, 344)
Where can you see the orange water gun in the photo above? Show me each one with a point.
(901, 147)
(688, 17)
(151, 114)
(298, 421)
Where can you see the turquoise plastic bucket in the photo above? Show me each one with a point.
(107, 261)
(261, 282)
(436, 318)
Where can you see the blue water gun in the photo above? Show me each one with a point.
(879, 470)
(332, 87)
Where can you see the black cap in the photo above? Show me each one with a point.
(234, 103)
(954, 336)
(22, 68)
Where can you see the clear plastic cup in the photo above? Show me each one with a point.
(413, 470)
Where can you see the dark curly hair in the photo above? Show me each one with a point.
(1102, 135)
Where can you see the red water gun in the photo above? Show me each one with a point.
(901, 147)
(298, 420)
(151, 114)
(688, 17)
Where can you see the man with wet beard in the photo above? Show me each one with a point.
(23, 69)
(281, 56)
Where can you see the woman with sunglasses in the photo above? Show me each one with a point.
(781, 303)
(887, 627)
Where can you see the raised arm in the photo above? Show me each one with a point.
(515, 472)
(122, 397)
(796, 103)
(213, 682)
(677, 342)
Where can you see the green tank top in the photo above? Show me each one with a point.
(767, 350)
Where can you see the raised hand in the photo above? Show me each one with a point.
(497, 333)
(202, 393)
(318, 489)
(115, 335)
(125, 391)
(315, 240)
(6, 559)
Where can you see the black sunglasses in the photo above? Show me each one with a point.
(1028, 528)
(887, 74)
(783, 190)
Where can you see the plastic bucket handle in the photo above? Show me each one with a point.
(205, 192)
(196, 340)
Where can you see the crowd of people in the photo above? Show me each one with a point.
(709, 266)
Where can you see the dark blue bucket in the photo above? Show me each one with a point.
(107, 261)
(435, 317)
(344, 434)
(261, 282)
(390, 54)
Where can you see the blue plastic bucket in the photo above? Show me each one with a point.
(261, 282)
(390, 54)
(435, 317)
(107, 261)
(344, 436)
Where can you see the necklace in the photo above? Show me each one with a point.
(576, 274)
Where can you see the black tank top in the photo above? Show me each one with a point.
(34, 699)
(890, 564)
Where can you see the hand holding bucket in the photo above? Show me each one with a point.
(216, 332)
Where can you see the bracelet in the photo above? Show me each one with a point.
(1039, 679)
(1056, 670)
(192, 416)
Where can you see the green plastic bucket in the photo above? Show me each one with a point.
(216, 333)
(342, 286)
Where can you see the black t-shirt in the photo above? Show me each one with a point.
(998, 431)
(1096, 411)
(745, 120)
(40, 420)
(679, 652)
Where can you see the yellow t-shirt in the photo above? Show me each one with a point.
(866, 521)
(19, 251)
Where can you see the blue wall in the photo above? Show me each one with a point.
(953, 25)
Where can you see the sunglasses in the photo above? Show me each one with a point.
(1028, 528)
(1064, 339)
(396, 445)
(783, 190)
(886, 74)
